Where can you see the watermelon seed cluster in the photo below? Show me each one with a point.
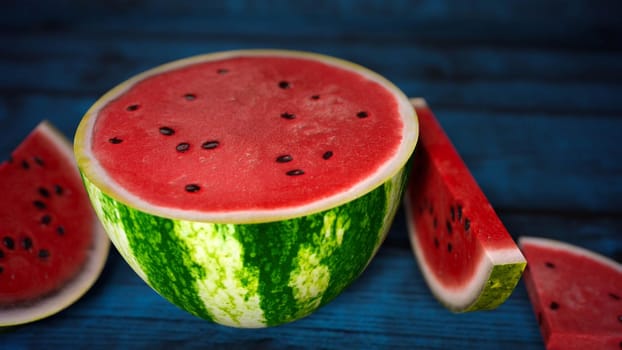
(183, 147)
(25, 242)
(455, 221)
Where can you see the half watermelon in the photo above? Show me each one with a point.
(466, 255)
(248, 187)
(52, 246)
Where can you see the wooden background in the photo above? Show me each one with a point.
(529, 91)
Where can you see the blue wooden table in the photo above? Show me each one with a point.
(529, 91)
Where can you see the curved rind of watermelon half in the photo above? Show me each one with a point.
(53, 247)
(263, 260)
(467, 257)
(576, 295)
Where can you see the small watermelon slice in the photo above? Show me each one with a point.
(576, 295)
(52, 247)
(248, 187)
(466, 255)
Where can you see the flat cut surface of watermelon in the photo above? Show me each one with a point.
(576, 295)
(248, 135)
(248, 187)
(466, 255)
(52, 247)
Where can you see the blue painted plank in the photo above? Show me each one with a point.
(543, 24)
(26, 52)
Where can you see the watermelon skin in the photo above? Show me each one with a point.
(258, 274)
(576, 295)
(466, 255)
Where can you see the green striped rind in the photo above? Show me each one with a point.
(252, 275)
(499, 286)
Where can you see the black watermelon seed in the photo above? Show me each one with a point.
(46, 219)
(115, 140)
(448, 225)
(452, 212)
(60, 230)
(614, 296)
(295, 172)
(222, 71)
(44, 253)
(166, 131)
(549, 264)
(132, 108)
(284, 158)
(210, 144)
(182, 147)
(44, 192)
(190, 97)
(25, 164)
(436, 242)
(620, 318)
(459, 213)
(449, 247)
(192, 188)
(38, 160)
(287, 115)
(284, 84)
(39, 204)
(327, 155)
(9, 243)
(554, 306)
(58, 189)
(26, 243)
(362, 114)
(467, 225)
(1, 254)
(315, 97)
(1, 269)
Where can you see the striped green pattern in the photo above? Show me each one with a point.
(500, 285)
(252, 275)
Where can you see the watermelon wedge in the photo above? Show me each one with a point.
(576, 295)
(52, 246)
(248, 187)
(466, 255)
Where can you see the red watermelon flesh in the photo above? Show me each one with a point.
(466, 255)
(576, 295)
(47, 227)
(288, 130)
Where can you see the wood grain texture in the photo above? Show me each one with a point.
(528, 91)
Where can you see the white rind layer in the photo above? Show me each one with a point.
(91, 168)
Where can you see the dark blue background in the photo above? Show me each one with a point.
(529, 91)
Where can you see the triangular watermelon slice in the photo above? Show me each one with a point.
(52, 247)
(466, 255)
(576, 295)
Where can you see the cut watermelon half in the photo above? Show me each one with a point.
(466, 255)
(248, 187)
(576, 295)
(52, 247)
